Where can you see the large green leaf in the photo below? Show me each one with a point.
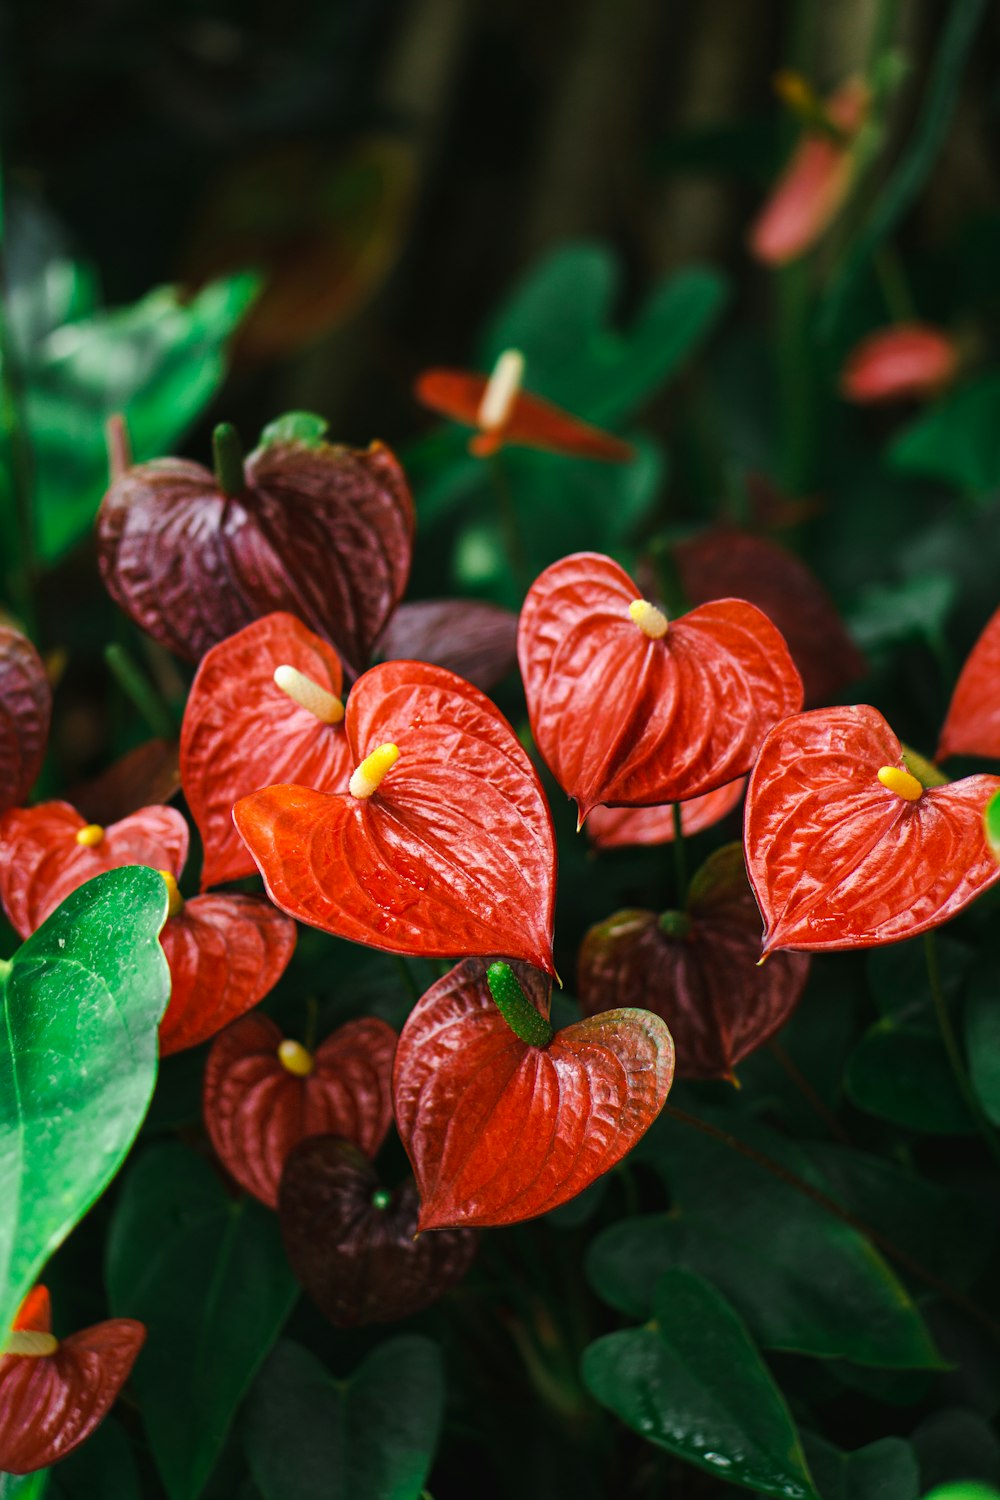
(81, 1002)
(694, 1383)
(982, 1032)
(957, 1444)
(309, 1437)
(956, 440)
(803, 1280)
(207, 1274)
(886, 1470)
(25, 1486)
(902, 1074)
(101, 1467)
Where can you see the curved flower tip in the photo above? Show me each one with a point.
(504, 414)
(911, 359)
(815, 183)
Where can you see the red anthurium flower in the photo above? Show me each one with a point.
(698, 969)
(812, 189)
(972, 723)
(25, 711)
(353, 1244)
(631, 709)
(322, 531)
(264, 1093)
(504, 414)
(499, 1129)
(624, 827)
(910, 359)
(442, 845)
(731, 564)
(54, 1393)
(846, 848)
(477, 641)
(265, 706)
(225, 952)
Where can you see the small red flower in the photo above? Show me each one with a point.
(225, 952)
(909, 360)
(264, 1093)
(624, 827)
(506, 415)
(25, 711)
(846, 848)
(630, 709)
(972, 723)
(54, 1393)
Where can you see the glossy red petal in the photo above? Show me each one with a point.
(456, 394)
(533, 422)
(355, 1248)
(718, 1002)
(50, 1404)
(148, 774)
(454, 854)
(477, 641)
(625, 827)
(25, 711)
(256, 1110)
(907, 360)
(814, 185)
(241, 732)
(323, 532)
(622, 719)
(972, 723)
(41, 861)
(225, 954)
(836, 859)
(731, 564)
(499, 1131)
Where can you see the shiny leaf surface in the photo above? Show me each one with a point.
(625, 719)
(694, 1383)
(885, 1470)
(972, 723)
(257, 1108)
(839, 860)
(454, 852)
(81, 1003)
(325, 533)
(706, 984)
(475, 640)
(25, 711)
(499, 1131)
(355, 1247)
(242, 732)
(624, 827)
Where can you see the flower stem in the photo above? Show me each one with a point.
(139, 690)
(680, 856)
(515, 1007)
(507, 512)
(954, 1051)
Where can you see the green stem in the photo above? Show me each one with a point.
(228, 455)
(796, 378)
(895, 288)
(813, 1099)
(406, 975)
(515, 1007)
(510, 529)
(680, 856)
(954, 1051)
(20, 526)
(139, 690)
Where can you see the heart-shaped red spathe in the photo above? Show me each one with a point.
(321, 531)
(531, 423)
(51, 1403)
(453, 854)
(901, 361)
(474, 639)
(626, 720)
(626, 827)
(837, 859)
(242, 732)
(972, 723)
(353, 1246)
(41, 861)
(25, 712)
(257, 1109)
(703, 977)
(498, 1130)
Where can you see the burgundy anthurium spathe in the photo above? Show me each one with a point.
(972, 723)
(476, 640)
(630, 709)
(626, 827)
(263, 1093)
(323, 532)
(225, 952)
(442, 845)
(846, 848)
(907, 360)
(353, 1244)
(265, 706)
(498, 1129)
(25, 711)
(55, 1392)
(698, 969)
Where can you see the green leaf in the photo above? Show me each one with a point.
(694, 1383)
(81, 1000)
(803, 1280)
(964, 1490)
(991, 820)
(902, 1074)
(957, 1444)
(101, 1467)
(891, 614)
(309, 1437)
(295, 427)
(25, 1486)
(886, 1470)
(982, 1032)
(207, 1274)
(898, 979)
(956, 440)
